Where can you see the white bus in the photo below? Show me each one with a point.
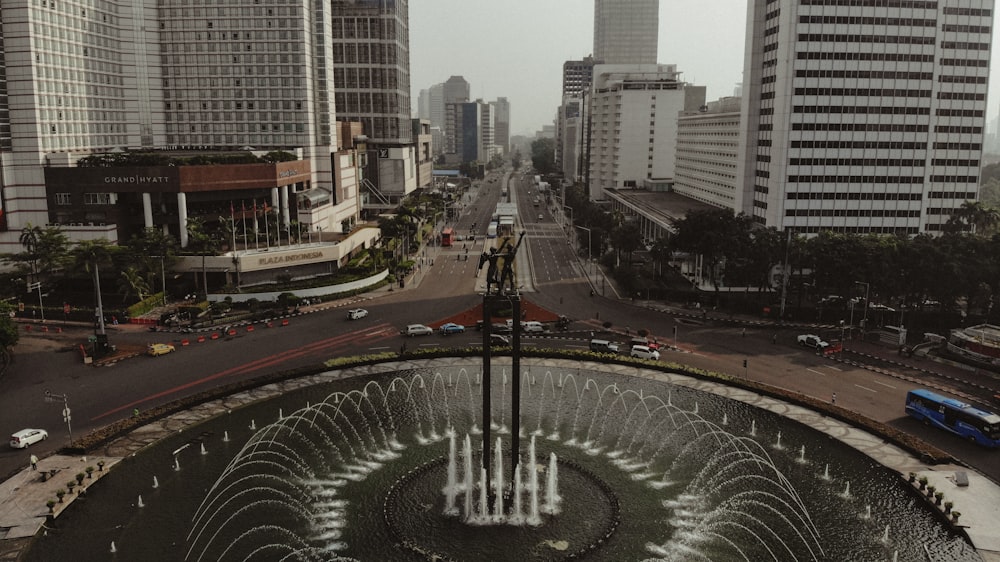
(491, 231)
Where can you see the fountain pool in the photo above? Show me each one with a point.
(357, 469)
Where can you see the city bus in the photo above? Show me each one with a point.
(447, 236)
(952, 415)
(491, 230)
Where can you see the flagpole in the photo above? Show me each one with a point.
(267, 226)
(243, 207)
(256, 229)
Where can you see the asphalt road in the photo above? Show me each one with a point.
(100, 395)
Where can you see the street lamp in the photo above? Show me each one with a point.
(570, 212)
(67, 417)
(864, 321)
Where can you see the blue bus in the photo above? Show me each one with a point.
(952, 415)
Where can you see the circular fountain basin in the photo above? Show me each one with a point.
(352, 470)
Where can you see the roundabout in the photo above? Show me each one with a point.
(352, 464)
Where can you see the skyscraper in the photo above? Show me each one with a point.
(626, 31)
(108, 78)
(501, 132)
(371, 59)
(867, 122)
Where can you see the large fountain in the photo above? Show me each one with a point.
(388, 467)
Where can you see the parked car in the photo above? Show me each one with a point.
(25, 437)
(157, 349)
(813, 341)
(356, 313)
(644, 352)
(451, 328)
(499, 328)
(417, 330)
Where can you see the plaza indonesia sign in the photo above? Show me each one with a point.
(311, 255)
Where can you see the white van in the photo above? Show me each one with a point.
(532, 327)
(603, 346)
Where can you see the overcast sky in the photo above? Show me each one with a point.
(516, 48)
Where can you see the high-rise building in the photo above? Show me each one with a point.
(863, 119)
(105, 80)
(501, 130)
(634, 125)
(577, 76)
(708, 142)
(626, 31)
(371, 60)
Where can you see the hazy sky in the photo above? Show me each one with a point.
(516, 48)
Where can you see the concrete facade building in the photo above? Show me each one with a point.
(626, 31)
(501, 130)
(105, 81)
(633, 140)
(708, 143)
(371, 59)
(865, 118)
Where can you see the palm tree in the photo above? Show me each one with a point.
(29, 239)
(204, 243)
(975, 215)
(90, 255)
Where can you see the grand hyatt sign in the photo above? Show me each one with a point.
(136, 179)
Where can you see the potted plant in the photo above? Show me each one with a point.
(938, 496)
(930, 491)
(948, 506)
(60, 493)
(923, 482)
(90, 472)
(51, 504)
(100, 466)
(954, 516)
(69, 485)
(912, 477)
(79, 478)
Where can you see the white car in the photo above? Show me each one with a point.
(417, 330)
(813, 341)
(356, 313)
(25, 437)
(644, 352)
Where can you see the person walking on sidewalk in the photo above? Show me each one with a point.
(833, 399)
(34, 462)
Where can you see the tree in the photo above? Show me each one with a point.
(202, 242)
(975, 216)
(152, 252)
(90, 255)
(8, 335)
(132, 281)
(710, 234)
(543, 156)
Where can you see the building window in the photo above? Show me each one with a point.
(97, 198)
(63, 199)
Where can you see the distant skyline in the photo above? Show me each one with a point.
(516, 49)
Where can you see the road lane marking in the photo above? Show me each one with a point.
(884, 384)
(817, 372)
(832, 368)
(873, 391)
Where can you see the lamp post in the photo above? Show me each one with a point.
(37, 285)
(570, 212)
(67, 417)
(864, 320)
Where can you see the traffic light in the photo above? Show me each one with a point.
(744, 363)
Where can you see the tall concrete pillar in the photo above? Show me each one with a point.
(147, 210)
(182, 218)
(286, 215)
